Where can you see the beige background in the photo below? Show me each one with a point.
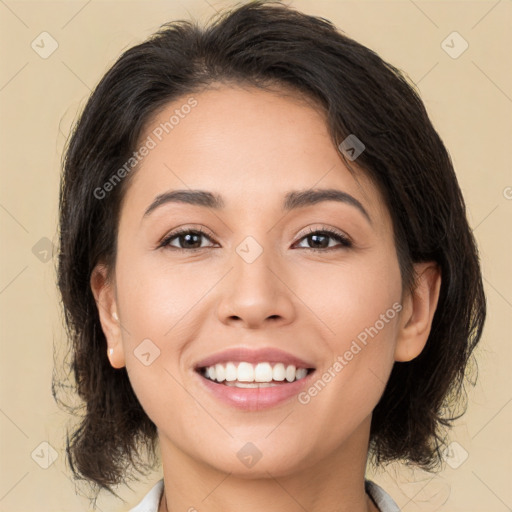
(470, 102)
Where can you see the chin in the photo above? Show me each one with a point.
(259, 459)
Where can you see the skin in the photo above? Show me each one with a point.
(252, 147)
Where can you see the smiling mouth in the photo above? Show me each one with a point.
(247, 375)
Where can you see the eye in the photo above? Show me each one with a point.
(320, 239)
(190, 238)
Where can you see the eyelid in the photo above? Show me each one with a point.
(185, 229)
(325, 229)
(343, 239)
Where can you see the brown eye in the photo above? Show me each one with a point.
(187, 238)
(320, 240)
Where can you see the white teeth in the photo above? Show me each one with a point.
(245, 372)
(220, 372)
(301, 373)
(253, 375)
(279, 372)
(263, 372)
(210, 372)
(251, 384)
(231, 372)
(290, 373)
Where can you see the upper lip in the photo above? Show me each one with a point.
(261, 355)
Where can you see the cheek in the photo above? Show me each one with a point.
(357, 308)
(154, 295)
(350, 297)
(156, 302)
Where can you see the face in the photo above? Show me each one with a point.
(256, 273)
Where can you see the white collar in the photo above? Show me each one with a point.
(383, 500)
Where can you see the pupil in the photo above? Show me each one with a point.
(314, 237)
(187, 237)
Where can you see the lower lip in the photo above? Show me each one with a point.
(255, 399)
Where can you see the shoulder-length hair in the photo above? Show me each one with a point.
(267, 44)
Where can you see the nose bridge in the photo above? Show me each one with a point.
(254, 255)
(254, 292)
(253, 276)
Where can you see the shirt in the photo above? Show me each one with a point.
(381, 498)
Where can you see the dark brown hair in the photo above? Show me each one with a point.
(269, 44)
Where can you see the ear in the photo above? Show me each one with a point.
(104, 295)
(418, 311)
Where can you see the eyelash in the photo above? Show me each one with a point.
(344, 240)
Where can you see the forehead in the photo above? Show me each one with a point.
(249, 145)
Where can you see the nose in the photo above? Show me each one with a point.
(255, 293)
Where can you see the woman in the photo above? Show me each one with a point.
(265, 266)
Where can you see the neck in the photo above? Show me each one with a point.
(370, 506)
(334, 482)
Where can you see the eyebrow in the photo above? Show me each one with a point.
(293, 200)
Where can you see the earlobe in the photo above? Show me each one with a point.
(104, 295)
(418, 312)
